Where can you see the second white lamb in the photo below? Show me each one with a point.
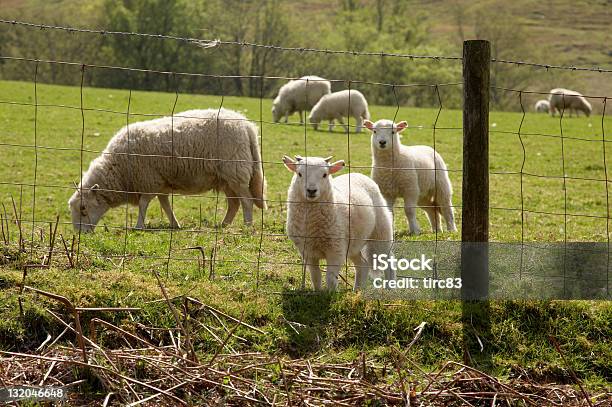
(416, 173)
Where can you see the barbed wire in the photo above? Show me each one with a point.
(211, 43)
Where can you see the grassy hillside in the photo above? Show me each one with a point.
(264, 285)
(569, 32)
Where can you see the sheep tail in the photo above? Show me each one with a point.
(257, 185)
(366, 114)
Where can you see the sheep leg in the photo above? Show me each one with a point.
(346, 129)
(301, 117)
(315, 273)
(233, 203)
(449, 216)
(362, 269)
(333, 270)
(143, 204)
(331, 125)
(434, 217)
(410, 210)
(165, 204)
(390, 203)
(286, 117)
(246, 201)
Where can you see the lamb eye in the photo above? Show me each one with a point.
(300, 174)
(324, 175)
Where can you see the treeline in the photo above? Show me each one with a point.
(381, 25)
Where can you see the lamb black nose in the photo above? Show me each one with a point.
(311, 192)
(382, 143)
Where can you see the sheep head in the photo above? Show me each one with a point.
(312, 175)
(385, 133)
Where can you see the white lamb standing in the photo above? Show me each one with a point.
(328, 219)
(337, 106)
(189, 153)
(542, 106)
(299, 95)
(564, 99)
(416, 173)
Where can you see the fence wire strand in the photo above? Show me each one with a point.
(221, 251)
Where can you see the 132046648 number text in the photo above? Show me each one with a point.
(34, 393)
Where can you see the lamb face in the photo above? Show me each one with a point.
(385, 133)
(312, 176)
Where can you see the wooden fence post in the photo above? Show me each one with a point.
(475, 212)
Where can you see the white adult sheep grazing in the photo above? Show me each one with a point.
(299, 95)
(338, 105)
(542, 106)
(192, 152)
(416, 173)
(564, 99)
(323, 225)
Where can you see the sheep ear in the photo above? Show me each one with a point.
(328, 159)
(337, 166)
(369, 125)
(289, 163)
(75, 185)
(95, 188)
(401, 126)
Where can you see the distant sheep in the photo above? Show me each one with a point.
(322, 225)
(416, 173)
(192, 152)
(299, 95)
(542, 106)
(337, 106)
(564, 99)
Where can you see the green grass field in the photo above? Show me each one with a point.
(335, 326)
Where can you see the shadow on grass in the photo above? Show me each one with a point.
(307, 314)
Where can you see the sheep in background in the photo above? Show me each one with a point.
(564, 99)
(192, 152)
(299, 95)
(327, 220)
(338, 105)
(416, 173)
(542, 106)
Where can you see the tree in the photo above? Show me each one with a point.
(508, 41)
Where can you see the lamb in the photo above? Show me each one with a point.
(299, 95)
(542, 106)
(327, 219)
(564, 99)
(338, 105)
(416, 173)
(191, 152)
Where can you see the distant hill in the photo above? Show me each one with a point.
(573, 32)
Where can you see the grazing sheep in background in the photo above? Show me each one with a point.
(192, 152)
(322, 225)
(335, 106)
(564, 99)
(542, 106)
(416, 173)
(299, 95)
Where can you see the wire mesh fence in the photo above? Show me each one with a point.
(548, 190)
